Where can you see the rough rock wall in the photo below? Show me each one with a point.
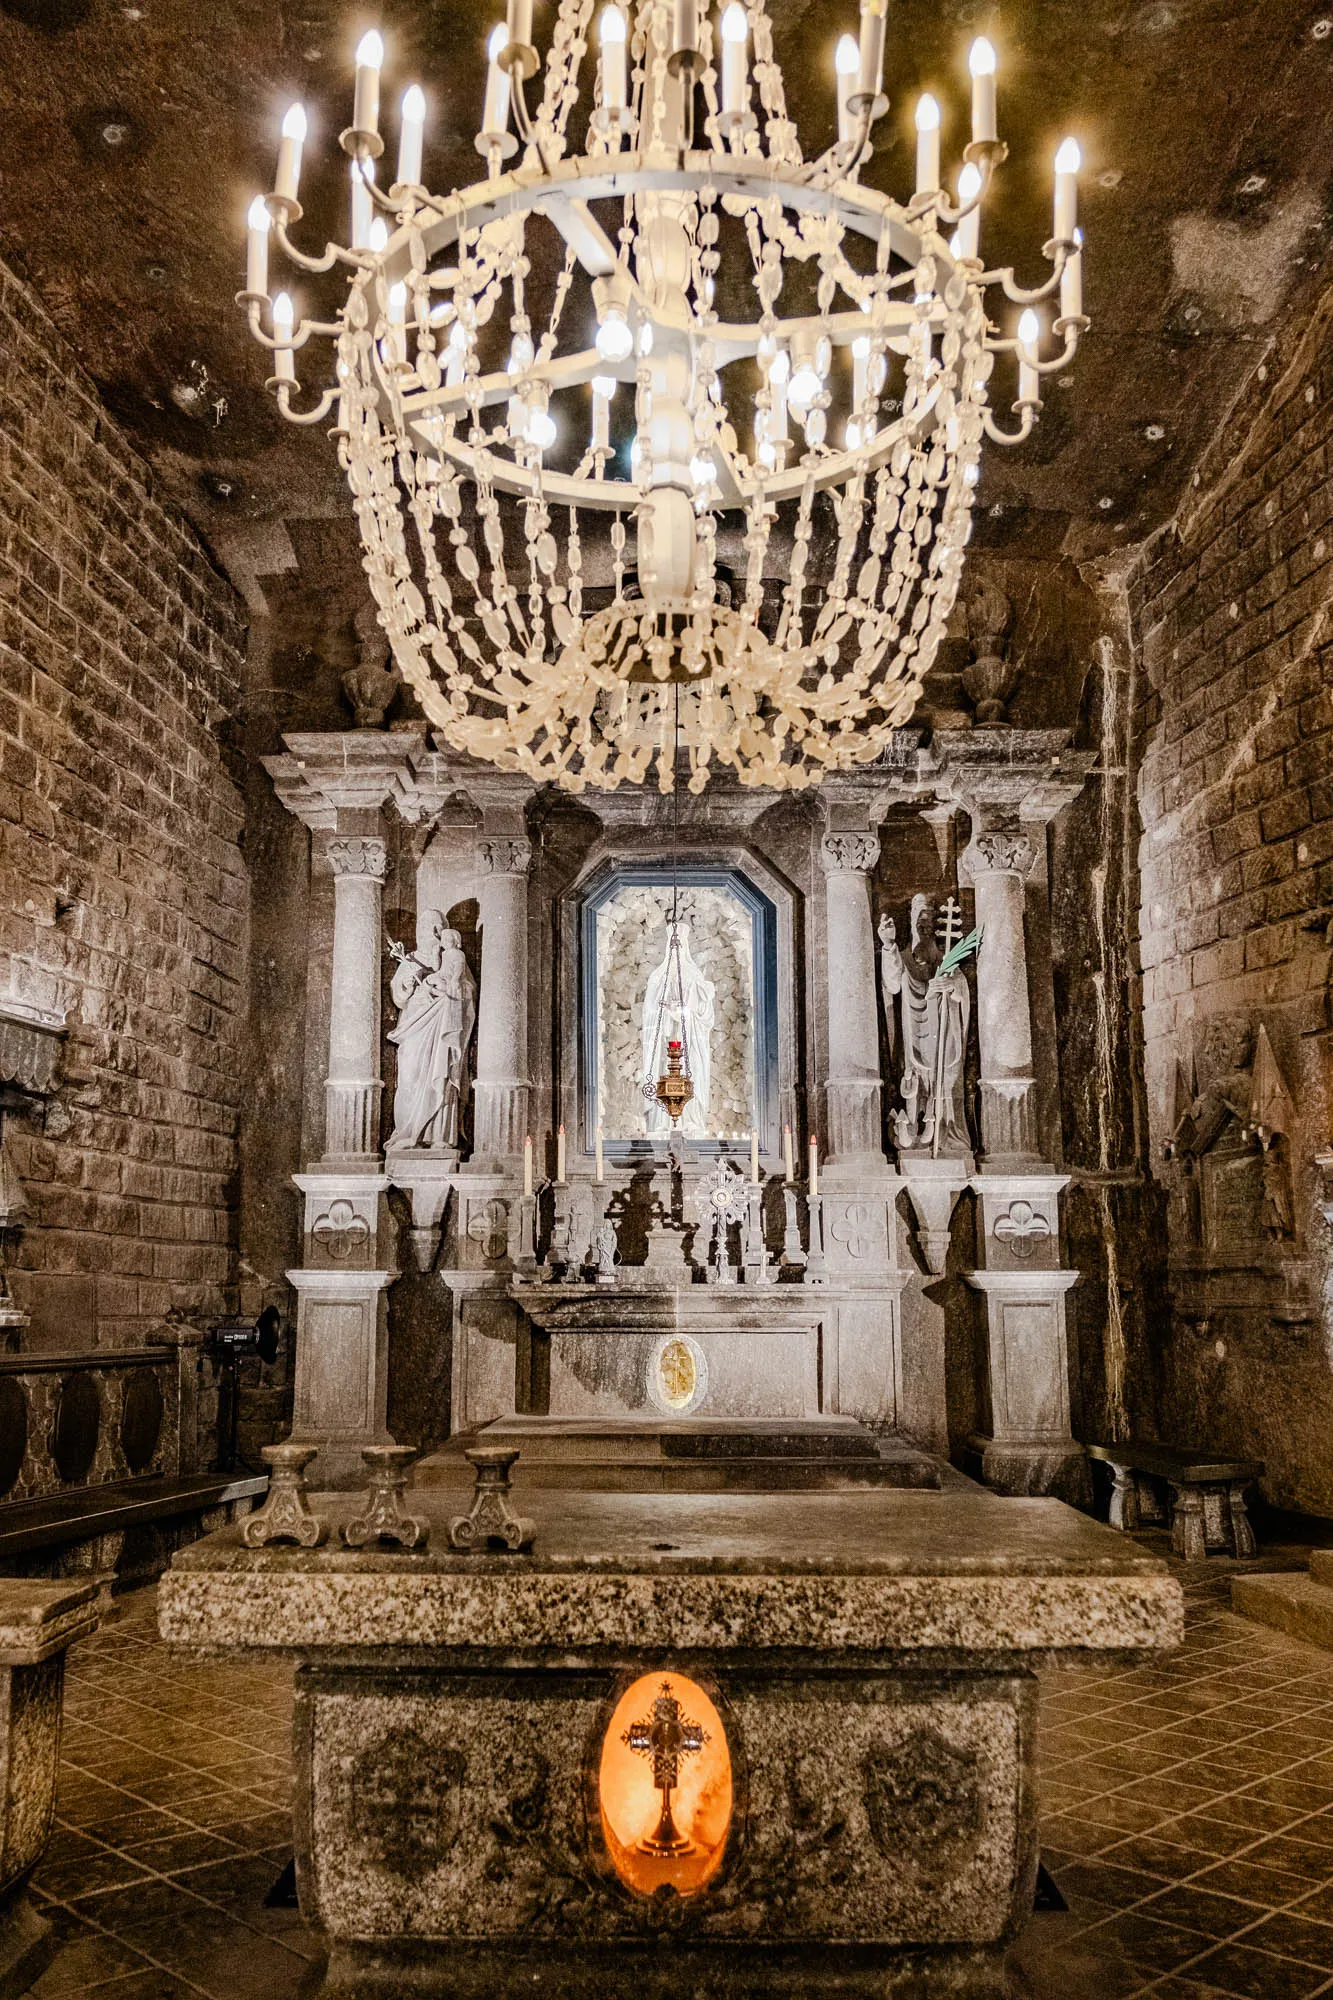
(122, 886)
(1232, 607)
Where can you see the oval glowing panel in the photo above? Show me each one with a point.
(677, 1376)
(665, 1787)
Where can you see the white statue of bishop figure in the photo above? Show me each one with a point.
(683, 1012)
(437, 996)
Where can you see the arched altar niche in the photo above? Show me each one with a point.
(739, 938)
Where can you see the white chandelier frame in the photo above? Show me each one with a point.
(517, 673)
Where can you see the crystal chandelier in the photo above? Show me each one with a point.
(590, 405)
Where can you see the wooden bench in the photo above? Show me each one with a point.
(87, 1513)
(1207, 1495)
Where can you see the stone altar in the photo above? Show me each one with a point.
(829, 1702)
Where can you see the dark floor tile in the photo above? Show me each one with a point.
(1197, 1909)
(1101, 1885)
(1157, 1947)
(187, 1848)
(1257, 1975)
(1293, 1934)
(83, 1963)
(1253, 1882)
(88, 1874)
(1213, 1836)
(1156, 1856)
(1296, 1856)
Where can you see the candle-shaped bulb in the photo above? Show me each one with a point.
(284, 318)
(981, 62)
(379, 234)
(411, 133)
(735, 77)
(1029, 336)
(613, 32)
(518, 25)
(362, 172)
(288, 177)
(873, 14)
(495, 112)
(846, 68)
(1068, 160)
(967, 241)
(366, 101)
(927, 144)
(256, 246)
(1071, 281)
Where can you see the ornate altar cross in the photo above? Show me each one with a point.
(666, 1737)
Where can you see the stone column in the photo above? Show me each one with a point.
(854, 1087)
(352, 1091)
(1001, 857)
(502, 1082)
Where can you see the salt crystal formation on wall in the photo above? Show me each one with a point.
(631, 942)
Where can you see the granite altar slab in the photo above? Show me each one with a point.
(833, 1696)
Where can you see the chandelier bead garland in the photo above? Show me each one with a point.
(835, 448)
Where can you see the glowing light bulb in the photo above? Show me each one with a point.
(1029, 335)
(614, 341)
(284, 318)
(735, 26)
(366, 98)
(981, 62)
(411, 134)
(288, 177)
(804, 386)
(541, 429)
(967, 241)
(846, 68)
(256, 246)
(927, 144)
(1029, 329)
(1068, 160)
(379, 234)
(370, 50)
(735, 68)
(847, 57)
(613, 32)
(604, 385)
(927, 114)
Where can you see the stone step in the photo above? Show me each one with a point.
(1289, 1601)
(692, 1457)
(1321, 1566)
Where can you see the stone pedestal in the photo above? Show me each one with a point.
(854, 1676)
(38, 1623)
(342, 1385)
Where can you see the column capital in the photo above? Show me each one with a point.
(508, 855)
(853, 853)
(327, 772)
(358, 854)
(1008, 848)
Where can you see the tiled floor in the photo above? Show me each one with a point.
(1190, 1824)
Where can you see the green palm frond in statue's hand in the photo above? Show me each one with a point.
(964, 949)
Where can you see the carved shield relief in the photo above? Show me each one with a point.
(407, 1799)
(921, 1797)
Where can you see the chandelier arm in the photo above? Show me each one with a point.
(1061, 254)
(315, 416)
(950, 214)
(1024, 430)
(327, 329)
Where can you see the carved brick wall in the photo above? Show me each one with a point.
(122, 888)
(1232, 607)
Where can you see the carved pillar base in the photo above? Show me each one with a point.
(500, 1123)
(855, 1123)
(1009, 1119)
(342, 1375)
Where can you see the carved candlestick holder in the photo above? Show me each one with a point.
(285, 1515)
(385, 1519)
(816, 1269)
(793, 1250)
(757, 1265)
(523, 1238)
(490, 1521)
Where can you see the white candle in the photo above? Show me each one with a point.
(735, 61)
(847, 67)
(788, 1157)
(754, 1156)
(362, 171)
(288, 177)
(685, 25)
(284, 318)
(1067, 163)
(411, 135)
(366, 96)
(495, 112)
(611, 26)
(560, 1154)
(520, 22)
(603, 389)
(981, 62)
(1029, 337)
(527, 1165)
(256, 247)
(601, 1164)
(814, 1167)
(397, 313)
(872, 46)
(927, 145)
(1071, 282)
(969, 228)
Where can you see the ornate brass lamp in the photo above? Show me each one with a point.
(674, 1090)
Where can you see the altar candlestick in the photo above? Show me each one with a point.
(601, 1164)
(788, 1156)
(527, 1165)
(560, 1154)
(814, 1167)
(754, 1157)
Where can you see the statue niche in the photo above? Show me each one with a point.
(436, 995)
(928, 1007)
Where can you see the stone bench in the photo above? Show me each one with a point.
(1207, 1495)
(39, 1621)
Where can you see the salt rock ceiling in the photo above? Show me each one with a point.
(135, 135)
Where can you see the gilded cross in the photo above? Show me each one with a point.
(666, 1737)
